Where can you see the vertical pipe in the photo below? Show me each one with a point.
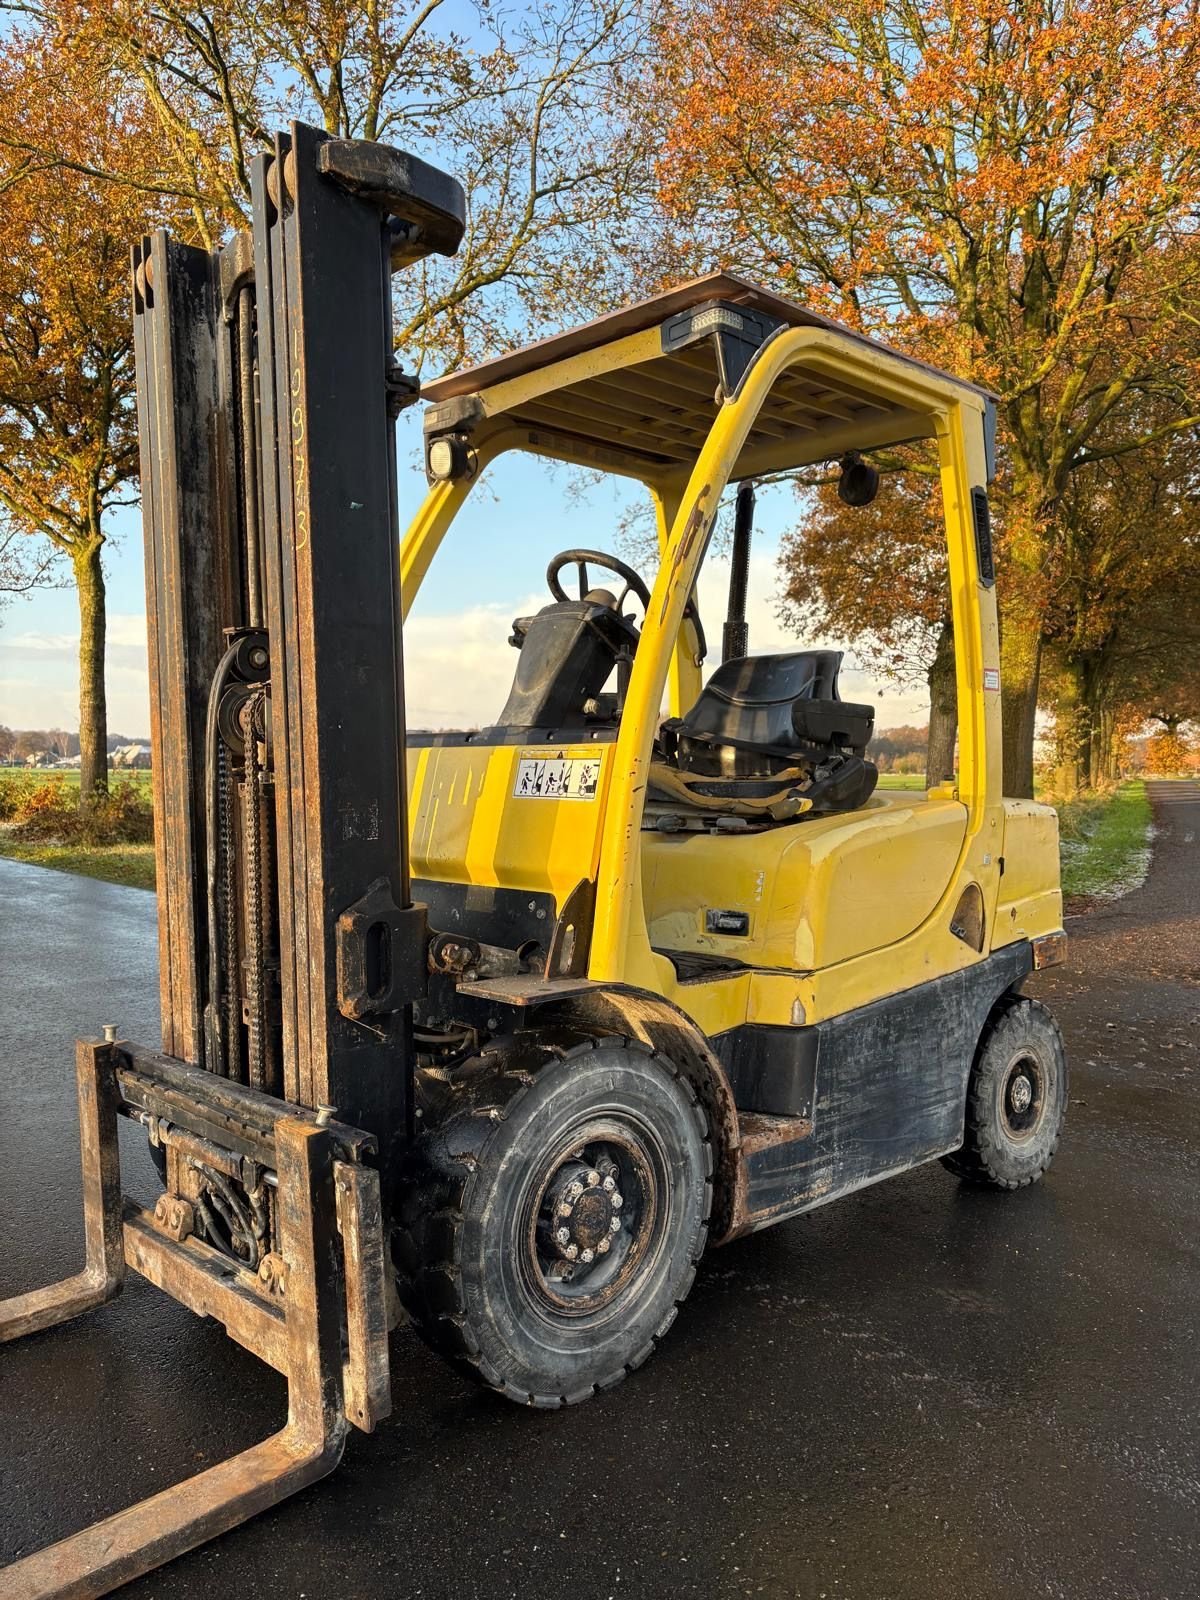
(736, 640)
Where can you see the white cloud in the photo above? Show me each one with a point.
(458, 668)
(39, 677)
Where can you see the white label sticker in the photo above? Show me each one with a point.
(558, 777)
(991, 677)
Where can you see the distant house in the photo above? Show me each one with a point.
(39, 758)
(131, 757)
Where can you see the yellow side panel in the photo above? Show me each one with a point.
(470, 824)
(816, 892)
(1030, 900)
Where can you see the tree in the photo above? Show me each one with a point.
(903, 749)
(68, 441)
(1169, 753)
(1123, 614)
(22, 568)
(115, 118)
(518, 112)
(1008, 189)
(28, 743)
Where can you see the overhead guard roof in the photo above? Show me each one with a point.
(654, 415)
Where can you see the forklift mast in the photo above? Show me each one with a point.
(290, 952)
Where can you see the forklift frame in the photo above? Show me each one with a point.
(291, 953)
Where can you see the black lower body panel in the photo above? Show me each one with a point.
(884, 1086)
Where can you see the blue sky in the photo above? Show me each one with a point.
(458, 662)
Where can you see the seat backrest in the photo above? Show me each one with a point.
(750, 698)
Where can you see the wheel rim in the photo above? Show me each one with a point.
(1022, 1098)
(594, 1218)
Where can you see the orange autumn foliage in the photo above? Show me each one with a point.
(68, 434)
(1006, 188)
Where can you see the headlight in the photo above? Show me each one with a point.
(447, 458)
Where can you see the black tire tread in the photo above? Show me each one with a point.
(974, 1162)
(436, 1177)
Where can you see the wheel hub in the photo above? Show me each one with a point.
(1021, 1093)
(583, 1207)
(1022, 1099)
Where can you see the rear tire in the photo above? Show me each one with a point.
(552, 1213)
(1016, 1098)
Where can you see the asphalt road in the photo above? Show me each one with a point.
(921, 1390)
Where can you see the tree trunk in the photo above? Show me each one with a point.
(1068, 717)
(1020, 668)
(93, 710)
(1079, 733)
(1093, 729)
(1110, 746)
(1028, 526)
(943, 710)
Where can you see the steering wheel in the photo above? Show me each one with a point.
(632, 581)
(579, 559)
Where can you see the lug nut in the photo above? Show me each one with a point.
(575, 1190)
(614, 1226)
(610, 1183)
(593, 1178)
(603, 1247)
(572, 1252)
(563, 1236)
(617, 1202)
(587, 1255)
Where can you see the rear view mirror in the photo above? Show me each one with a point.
(859, 481)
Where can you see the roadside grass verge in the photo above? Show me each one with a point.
(1105, 843)
(130, 864)
(43, 823)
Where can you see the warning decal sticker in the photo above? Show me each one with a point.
(557, 777)
(991, 678)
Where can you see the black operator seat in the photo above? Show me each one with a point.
(567, 653)
(774, 724)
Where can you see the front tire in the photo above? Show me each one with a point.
(553, 1214)
(1016, 1098)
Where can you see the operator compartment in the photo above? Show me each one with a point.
(804, 894)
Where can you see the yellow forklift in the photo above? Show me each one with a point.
(514, 1022)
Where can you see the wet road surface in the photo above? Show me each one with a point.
(920, 1391)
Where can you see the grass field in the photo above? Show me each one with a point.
(34, 777)
(1105, 839)
(126, 863)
